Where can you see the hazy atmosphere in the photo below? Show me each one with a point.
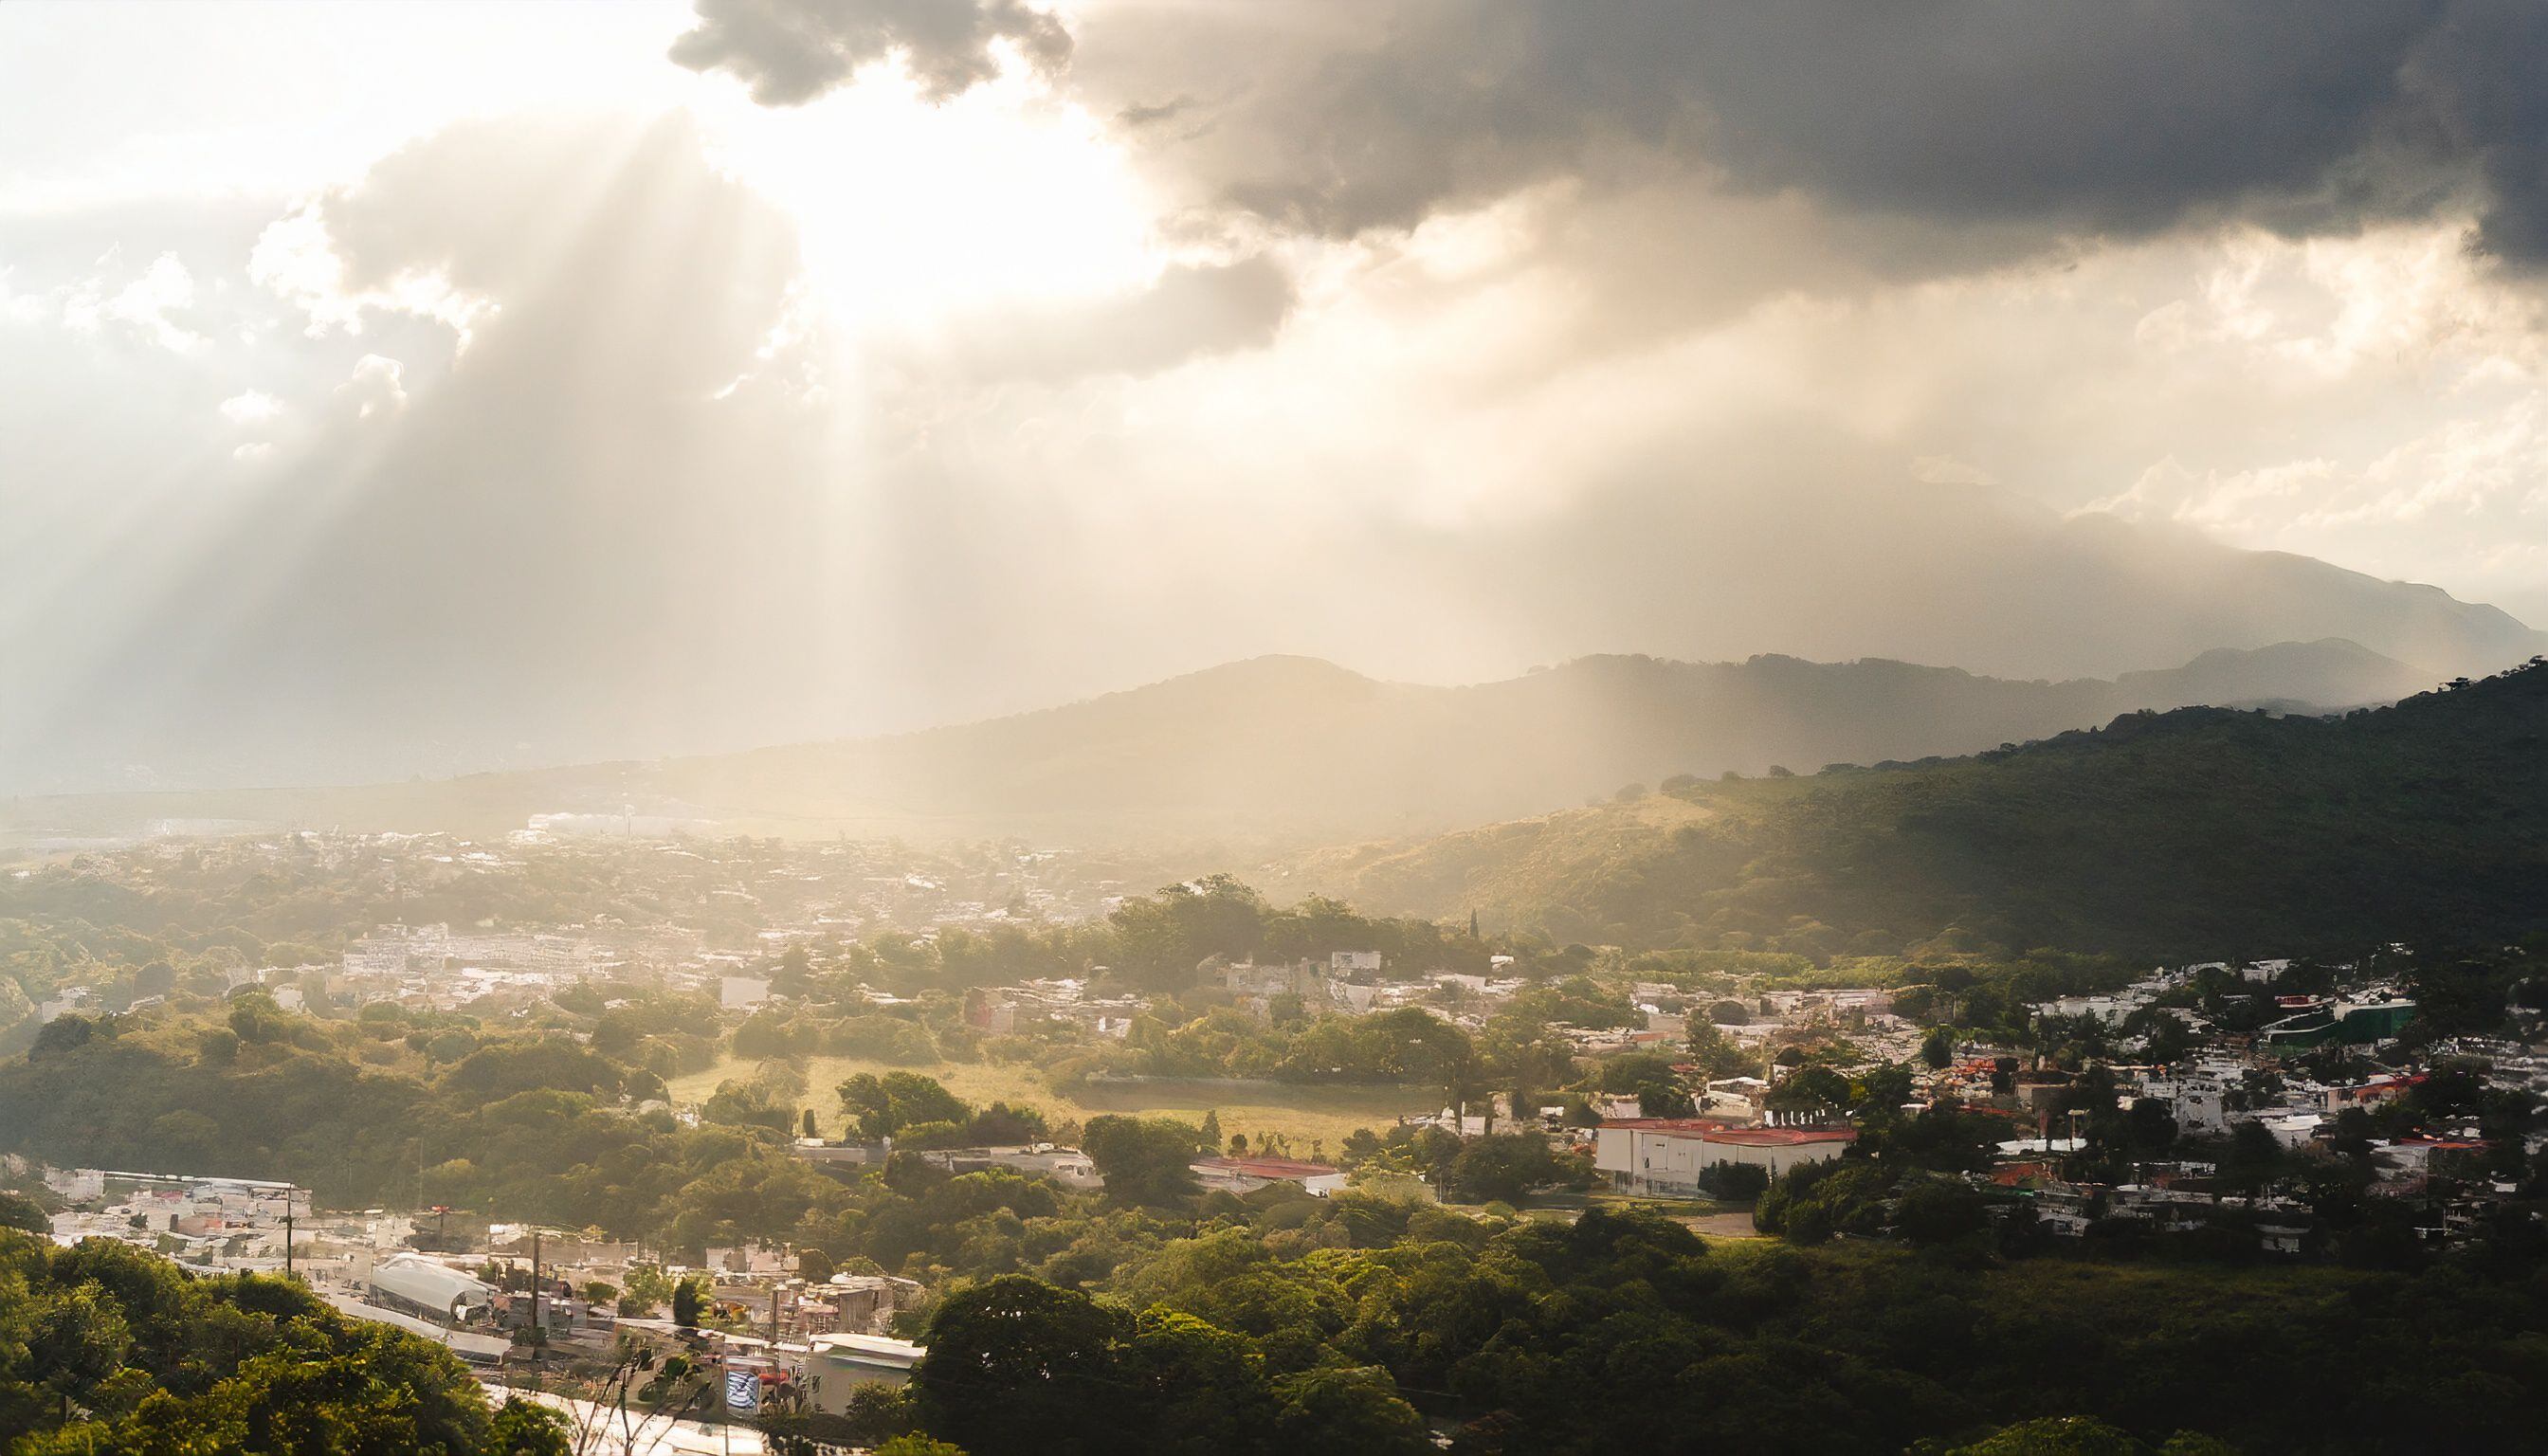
(1274, 727)
(615, 381)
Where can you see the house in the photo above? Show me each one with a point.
(825, 1154)
(2379, 1088)
(2197, 1101)
(838, 1364)
(1247, 1174)
(1067, 1167)
(1249, 979)
(1666, 1155)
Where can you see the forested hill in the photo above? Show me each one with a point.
(1296, 750)
(2202, 831)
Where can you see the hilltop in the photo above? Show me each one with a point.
(1295, 750)
(2195, 831)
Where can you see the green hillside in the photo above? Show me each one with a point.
(2198, 831)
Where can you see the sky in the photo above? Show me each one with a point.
(395, 389)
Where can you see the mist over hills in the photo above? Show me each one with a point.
(1965, 575)
(557, 669)
(1297, 751)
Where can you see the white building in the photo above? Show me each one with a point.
(1665, 1156)
(741, 992)
(838, 1364)
(1245, 1175)
(420, 1282)
(2109, 1009)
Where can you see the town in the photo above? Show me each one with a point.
(2292, 1110)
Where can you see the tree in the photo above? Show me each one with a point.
(1016, 1365)
(1936, 1211)
(648, 1290)
(2254, 1159)
(17, 1211)
(2059, 1436)
(523, 1428)
(63, 1034)
(1505, 1166)
(690, 1301)
(1938, 1049)
(881, 1106)
(1354, 1409)
(1810, 1090)
(1718, 1054)
(1146, 1162)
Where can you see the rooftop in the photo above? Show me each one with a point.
(1268, 1168)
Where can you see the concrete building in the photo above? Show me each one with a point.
(1247, 1174)
(837, 1364)
(1665, 1156)
(2197, 1101)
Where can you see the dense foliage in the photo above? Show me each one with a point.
(1624, 1331)
(2199, 832)
(106, 1350)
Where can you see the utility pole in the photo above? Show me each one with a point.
(287, 1234)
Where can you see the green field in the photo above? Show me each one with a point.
(1307, 1115)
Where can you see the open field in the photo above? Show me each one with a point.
(1307, 1115)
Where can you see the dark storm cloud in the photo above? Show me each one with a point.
(790, 52)
(2117, 117)
(2123, 118)
(2480, 72)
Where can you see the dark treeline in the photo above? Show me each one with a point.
(1289, 1324)
(1624, 1331)
(2189, 834)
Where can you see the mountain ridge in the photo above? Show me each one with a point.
(1300, 749)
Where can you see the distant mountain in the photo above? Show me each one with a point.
(2202, 831)
(1298, 750)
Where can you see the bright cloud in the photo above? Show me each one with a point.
(1010, 352)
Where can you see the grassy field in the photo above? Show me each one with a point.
(1307, 1114)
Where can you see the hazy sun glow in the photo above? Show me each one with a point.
(908, 210)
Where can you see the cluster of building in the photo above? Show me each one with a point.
(1360, 982)
(1073, 1169)
(2270, 1074)
(1000, 1011)
(706, 913)
(529, 1296)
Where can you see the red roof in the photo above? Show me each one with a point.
(1782, 1137)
